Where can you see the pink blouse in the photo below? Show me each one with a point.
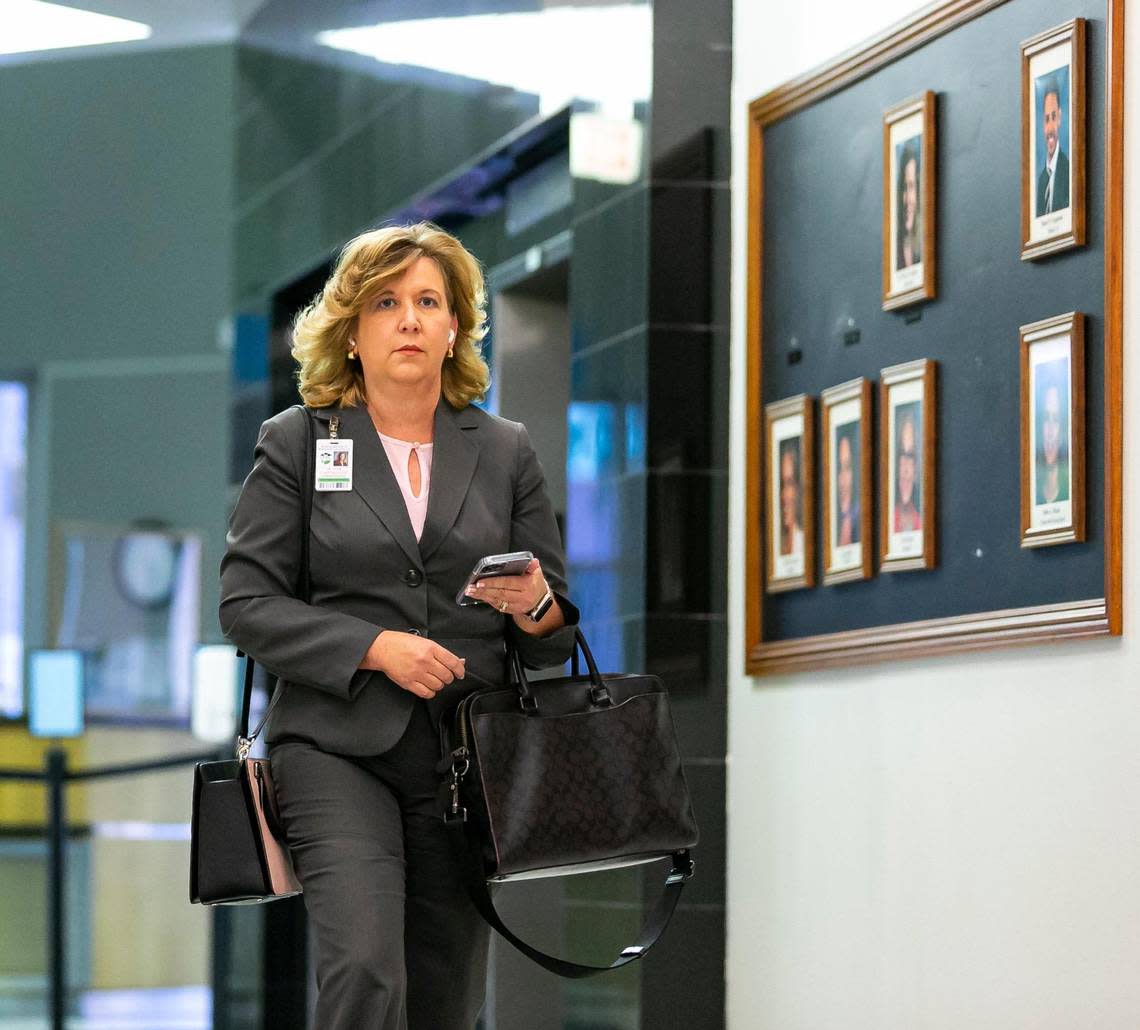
(398, 452)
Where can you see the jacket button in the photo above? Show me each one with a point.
(413, 577)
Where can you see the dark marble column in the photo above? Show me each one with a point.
(647, 524)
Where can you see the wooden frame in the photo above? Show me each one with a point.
(1053, 431)
(1053, 80)
(847, 407)
(908, 429)
(909, 265)
(789, 437)
(1079, 618)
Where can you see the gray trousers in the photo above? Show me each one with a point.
(399, 946)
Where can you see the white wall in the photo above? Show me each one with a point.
(942, 844)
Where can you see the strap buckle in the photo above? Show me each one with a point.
(599, 695)
(455, 812)
(243, 746)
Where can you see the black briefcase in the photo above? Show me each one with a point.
(567, 775)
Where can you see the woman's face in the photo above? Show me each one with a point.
(402, 331)
(910, 194)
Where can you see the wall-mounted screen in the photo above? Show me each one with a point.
(55, 693)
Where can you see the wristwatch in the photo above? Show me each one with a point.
(543, 606)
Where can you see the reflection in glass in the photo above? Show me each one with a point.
(31, 25)
(130, 600)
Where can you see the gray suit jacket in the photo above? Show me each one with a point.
(368, 573)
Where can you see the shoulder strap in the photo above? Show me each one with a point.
(471, 861)
(304, 590)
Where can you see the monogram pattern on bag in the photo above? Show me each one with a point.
(561, 790)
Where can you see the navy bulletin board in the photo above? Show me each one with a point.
(815, 320)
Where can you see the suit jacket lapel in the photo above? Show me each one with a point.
(454, 457)
(372, 476)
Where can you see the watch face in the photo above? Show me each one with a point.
(145, 566)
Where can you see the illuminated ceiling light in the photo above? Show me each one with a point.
(559, 53)
(31, 25)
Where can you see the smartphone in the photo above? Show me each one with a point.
(513, 564)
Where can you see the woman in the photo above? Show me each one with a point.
(389, 360)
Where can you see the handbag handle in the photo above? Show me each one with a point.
(245, 739)
(598, 692)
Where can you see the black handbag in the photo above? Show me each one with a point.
(567, 775)
(238, 851)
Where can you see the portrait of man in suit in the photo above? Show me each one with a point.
(907, 514)
(1051, 403)
(847, 484)
(1053, 179)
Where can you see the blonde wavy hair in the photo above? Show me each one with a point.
(367, 263)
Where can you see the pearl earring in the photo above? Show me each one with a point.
(352, 349)
(451, 336)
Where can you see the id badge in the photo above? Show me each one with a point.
(334, 465)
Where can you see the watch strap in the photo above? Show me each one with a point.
(539, 610)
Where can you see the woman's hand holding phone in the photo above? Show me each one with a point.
(512, 595)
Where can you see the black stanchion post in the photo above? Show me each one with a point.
(57, 841)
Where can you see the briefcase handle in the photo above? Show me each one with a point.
(681, 868)
(599, 695)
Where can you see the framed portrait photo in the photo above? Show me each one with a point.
(846, 426)
(908, 202)
(907, 494)
(1053, 140)
(789, 446)
(1053, 431)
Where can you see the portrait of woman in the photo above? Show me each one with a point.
(908, 202)
(791, 499)
(908, 224)
(389, 358)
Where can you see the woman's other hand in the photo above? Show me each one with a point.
(412, 662)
